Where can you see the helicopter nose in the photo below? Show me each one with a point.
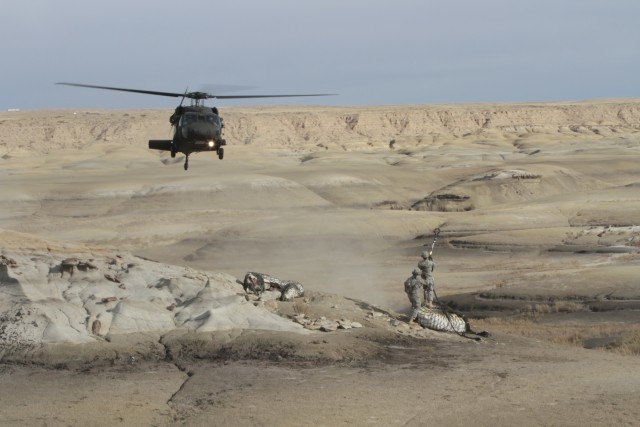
(202, 132)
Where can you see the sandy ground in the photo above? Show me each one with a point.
(540, 216)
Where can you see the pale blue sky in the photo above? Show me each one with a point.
(370, 52)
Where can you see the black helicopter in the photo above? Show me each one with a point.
(195, 127)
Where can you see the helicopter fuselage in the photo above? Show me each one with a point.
(195, 129)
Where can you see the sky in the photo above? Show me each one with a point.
(368, 52)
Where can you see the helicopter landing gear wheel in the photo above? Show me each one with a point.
(220, 153)
(186, 163)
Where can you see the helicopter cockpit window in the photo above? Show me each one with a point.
(213, 119)
(189, 118)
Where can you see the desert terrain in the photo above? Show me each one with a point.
(120, 273)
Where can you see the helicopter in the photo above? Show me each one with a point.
(196, 127)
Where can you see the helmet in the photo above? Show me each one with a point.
(425, 254)
(417, 271)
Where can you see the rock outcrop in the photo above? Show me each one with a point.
(81, 295)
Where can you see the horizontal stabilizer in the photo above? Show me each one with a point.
(160, 144)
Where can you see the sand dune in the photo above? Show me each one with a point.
(539, 210)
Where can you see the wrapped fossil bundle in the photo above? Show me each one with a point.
(258, 283)
(438, 320)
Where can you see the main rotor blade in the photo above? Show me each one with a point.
(193, 95)
(148, 92)
(268, 96)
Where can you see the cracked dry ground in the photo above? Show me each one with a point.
(396, 381)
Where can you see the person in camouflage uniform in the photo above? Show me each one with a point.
(413, 287)
(426, 266)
